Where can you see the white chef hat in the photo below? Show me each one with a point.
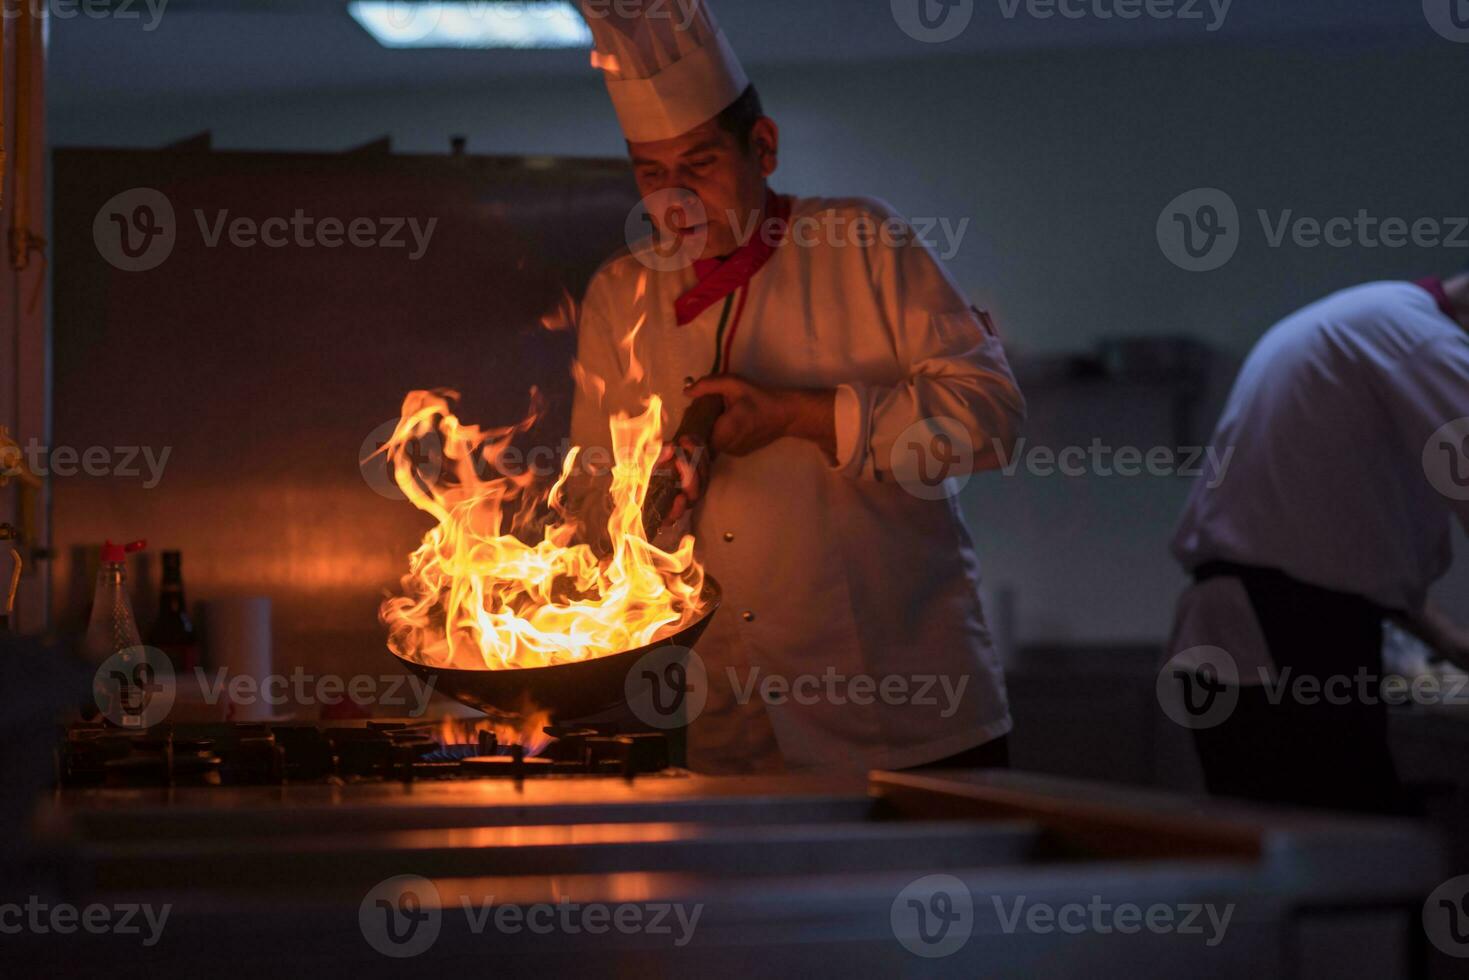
(668, 66)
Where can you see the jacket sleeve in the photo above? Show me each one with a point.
(1429, 400)
(958, 378)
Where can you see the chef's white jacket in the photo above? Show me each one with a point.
(1333, 475)
(831, 570)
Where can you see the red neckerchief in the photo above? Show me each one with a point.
(720, 277)
(1434, 285)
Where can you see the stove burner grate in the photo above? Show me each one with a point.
(235, 754)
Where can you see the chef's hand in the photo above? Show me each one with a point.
(691, 459)
(1447, 638)
(754, 417)
(1455, 647)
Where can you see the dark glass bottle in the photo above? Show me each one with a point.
(173, 631)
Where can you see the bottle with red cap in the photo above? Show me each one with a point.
(112, 627)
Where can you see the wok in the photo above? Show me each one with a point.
(566, 691)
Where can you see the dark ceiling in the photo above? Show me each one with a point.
(235, 47)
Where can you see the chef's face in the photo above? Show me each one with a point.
(727, 176)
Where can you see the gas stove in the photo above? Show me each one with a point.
(246, 754)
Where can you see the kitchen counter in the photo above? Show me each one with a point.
(792, 873)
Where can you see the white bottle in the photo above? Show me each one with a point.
(112, 627)
(113, 631)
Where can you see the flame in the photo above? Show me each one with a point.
(506, 578)
(564, 316)
(629, 351)
(527, 730)
(606, 62)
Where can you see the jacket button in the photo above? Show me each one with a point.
(728, 536)
(747, 616)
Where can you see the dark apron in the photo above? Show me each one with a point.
(1333, 753)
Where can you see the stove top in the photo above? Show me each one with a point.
(248, 754)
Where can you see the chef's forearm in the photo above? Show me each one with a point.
(813, 418)
(1434, 627)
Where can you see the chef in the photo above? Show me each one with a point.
(1349, 425)
(851, 634)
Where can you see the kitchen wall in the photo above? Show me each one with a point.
(1062, 163)
(251, 430)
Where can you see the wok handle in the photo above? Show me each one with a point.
(663, 488)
